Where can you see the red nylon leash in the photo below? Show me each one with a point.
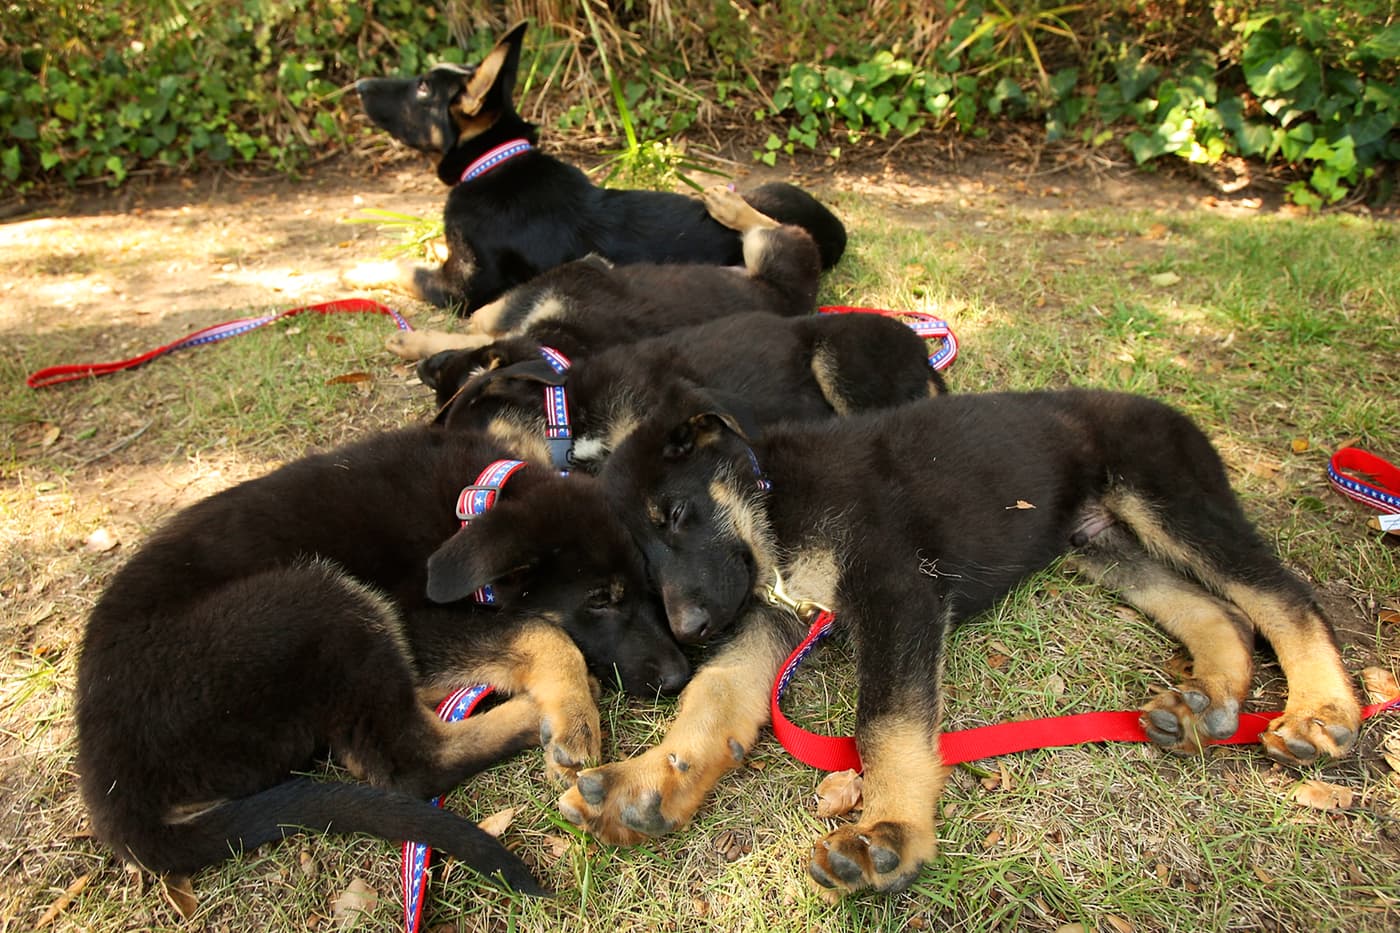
(839, 753)
(71, 372)
(1370, 480)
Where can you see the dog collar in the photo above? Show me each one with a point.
(558, 432)
(475, 499)
(501, 154)
(759, 477)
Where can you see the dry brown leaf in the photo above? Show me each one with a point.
(100, 541)
(556, 847)
(1072, 928)
(349, 379)
(64, 899)
(1155, 232)
(1299, 444)
(1321, 795)
(991, 839)
(336, 339)
(498, 822)
(1380, 684)
(1262, 875)
(1164, 279)
(51, 436)
(996, 661)
(1390, 616)
(839, 793)
(356, 901)
(179, 891)
(1119, 924)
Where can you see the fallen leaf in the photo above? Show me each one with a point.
(1299, 444)
(1020, 504)
(1119, 924)
(1389, 616)
(1321, 795)
(1164, 279)
(336, 339)
(64, 899)
(51, 435)
(100, 541)
(996, 661)
(839, 793)
(307, 863)
(498, 822)
(353, 904)
(349, 379)
(732, 845)
(1262, 875)
(1380, 684)
(556, 847)
(179, 891)
(991, 839)
(1072, 928)
(1155, 232)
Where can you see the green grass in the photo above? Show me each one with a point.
(1277, 328)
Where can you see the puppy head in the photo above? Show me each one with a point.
(448, 105)
(552, 545)
(688, 486)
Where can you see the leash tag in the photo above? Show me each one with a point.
(804, 609)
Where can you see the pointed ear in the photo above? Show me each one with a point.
(471, 559)
(494, 77)
(700, 431)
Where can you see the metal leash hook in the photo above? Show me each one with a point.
(806, 610)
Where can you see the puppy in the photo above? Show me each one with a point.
(779, 369)
(323, 607)
(515, 211)
(906, 523)
(589, 304)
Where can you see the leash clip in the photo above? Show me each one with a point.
(806, 610)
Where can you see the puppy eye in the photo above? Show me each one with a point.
(676, 515)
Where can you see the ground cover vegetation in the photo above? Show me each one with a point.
(94, 90)
(1278, 332)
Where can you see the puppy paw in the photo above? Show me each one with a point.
(885, 856)
(1301, 736)
(1186, 719)
(571, 736)
(728, 207)
(629, 801)
(372, 275)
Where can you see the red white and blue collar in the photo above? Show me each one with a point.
(475, 499)
(501, 154)
(558, 432)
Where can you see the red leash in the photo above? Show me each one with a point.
(838, 753)
(57, 374)
(927, 326)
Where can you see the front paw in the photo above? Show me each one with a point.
(1301, 736)
(627, 802)
(571, 737)
(1191, 716)
(885, 856)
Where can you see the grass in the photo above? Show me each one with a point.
(1272, 329)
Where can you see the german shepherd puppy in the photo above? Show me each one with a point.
(322, 607)
(522, 211)
(907, 522)
(589, 304)
(783, 368)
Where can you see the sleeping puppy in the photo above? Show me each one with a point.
(907, 522)
(324, 607)
(515, 211)
(783, 369)
(588, 304)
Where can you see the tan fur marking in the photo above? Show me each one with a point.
(825, 367)
(549, 307)
(904, 776)
(522, 434)
(413, 345)
(737, 518)
(812, 575)
(487, 319)
(729, 208)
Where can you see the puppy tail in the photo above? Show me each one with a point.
(788, 204)
(215, 834)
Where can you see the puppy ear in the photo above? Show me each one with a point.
(494, 77)
(700, 431)
(471, 559)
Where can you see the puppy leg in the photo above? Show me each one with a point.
(539, 660)
(720, 713)
(413, 345)
(729, 208)
(1213, 541)
(904, 777)
(1219, 638)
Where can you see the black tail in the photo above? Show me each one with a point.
(789, 204)
(324, 807)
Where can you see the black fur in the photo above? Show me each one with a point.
(288, 615)
(535, 212)
(777, 368)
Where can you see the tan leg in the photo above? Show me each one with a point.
(720, 713)
(413, 345)
(904, 778)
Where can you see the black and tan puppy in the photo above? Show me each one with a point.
(907, 522)
(322, 607)
(783, 369)
(516, 211)
(589, 304)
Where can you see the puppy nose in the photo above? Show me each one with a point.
(690, 624)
